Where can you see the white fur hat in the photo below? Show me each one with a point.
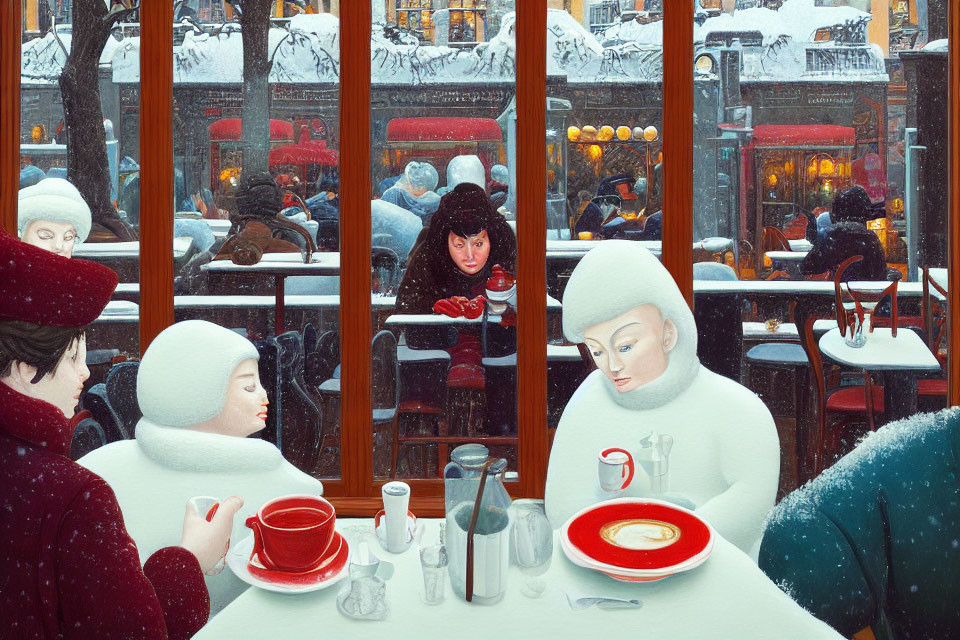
(466, 169)
(616, 276)
(56, 200)
(184, 374)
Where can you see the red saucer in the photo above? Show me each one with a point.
(329, 566)
(584, 531)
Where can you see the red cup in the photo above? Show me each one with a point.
(292, 533)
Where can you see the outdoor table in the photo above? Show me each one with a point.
(103, 250)
(900, 359)
(789, 261)
(800, 245)
(798, 287)
(726, 597)
(403, 321)
(281, 265)
(790, 257)
(124, 257)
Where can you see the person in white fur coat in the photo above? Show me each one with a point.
(725, 460)
(200, 394)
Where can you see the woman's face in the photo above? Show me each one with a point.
(245, 409)
(57, 237)
(469, 254)
(631, 349)
(62, 386)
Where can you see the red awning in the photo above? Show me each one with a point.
(304, 154)
(443, 130)
(803, 135)
(229, 129)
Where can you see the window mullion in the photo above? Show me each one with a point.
(156, 170)
(356, 432)
(953, 189)
(531, 76)
(678, 144)
(10, 26)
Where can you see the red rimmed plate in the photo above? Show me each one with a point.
(636, 539)
(332, 569)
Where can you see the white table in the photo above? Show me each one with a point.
(281, 265)
(800, 245)
(792, 257)
(726, 597)
(102, 250)
(402, 320)
(797, 287)
(900, 359)
(119, 312)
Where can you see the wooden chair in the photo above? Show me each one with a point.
(858, 301)
(856, 401)
(933, 390)
(772, 240)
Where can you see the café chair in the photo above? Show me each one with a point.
(421, 378)
(385, 269)
(848, 301)
(385, 398)
(121, 392)
(301, 428)
(848, 402)
(772, 240)
(94, 400)
(932, 392)
(87, 435)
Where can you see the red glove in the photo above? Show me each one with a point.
(448, 307)
(473, 309)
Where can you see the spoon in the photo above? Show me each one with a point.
(580, 603)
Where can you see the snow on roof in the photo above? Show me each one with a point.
(803, 17)
(42, 59)
(936, 45)
(633, 31)
(766, 21)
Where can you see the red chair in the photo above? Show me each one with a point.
(859, 401)
(935, 327)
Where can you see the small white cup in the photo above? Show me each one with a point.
(615, 469)
(396, 503)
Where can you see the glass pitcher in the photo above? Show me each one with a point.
(491, 539)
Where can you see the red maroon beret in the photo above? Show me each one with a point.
(46, 289)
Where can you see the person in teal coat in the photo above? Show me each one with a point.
(875, 540)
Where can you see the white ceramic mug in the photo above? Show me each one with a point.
(396, 503)
(615, 469)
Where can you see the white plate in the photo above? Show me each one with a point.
(239, 556)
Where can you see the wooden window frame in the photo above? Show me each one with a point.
(356, 493)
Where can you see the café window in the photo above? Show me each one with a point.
(604, 15)
(466, 21)
(417, 17)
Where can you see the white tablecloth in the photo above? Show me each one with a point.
(728, 597)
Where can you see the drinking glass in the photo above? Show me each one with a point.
(533, 545)
(433, 561)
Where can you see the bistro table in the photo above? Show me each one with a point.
(900, 359)
(417, 321)
(281, 265)
(101, 250)
(726, 597)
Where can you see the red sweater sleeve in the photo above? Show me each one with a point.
(103, 592)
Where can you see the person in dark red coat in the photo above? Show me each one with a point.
(69, 568)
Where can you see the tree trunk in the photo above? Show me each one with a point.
(255, 29)
(87, 166)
